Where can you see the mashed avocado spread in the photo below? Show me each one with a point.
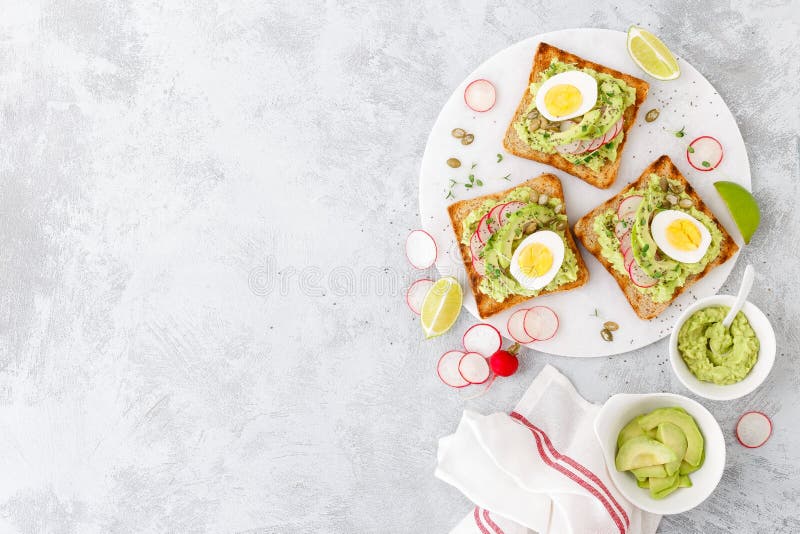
(498, 283)
(670, 274)
(714, 354)
(613, 98)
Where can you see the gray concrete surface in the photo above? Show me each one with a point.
(202, 211)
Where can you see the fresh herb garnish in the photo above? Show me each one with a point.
(507, 177)
(690, 150)
(499, 158)
(706, 164)
(479, 182)
(584, 127)
(681, 132)
(645, 247)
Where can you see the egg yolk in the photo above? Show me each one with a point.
(683, 235)
(535, 260)
(562, 100)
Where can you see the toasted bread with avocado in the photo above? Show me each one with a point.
(640, 301)
(605, 177)
(547, 184)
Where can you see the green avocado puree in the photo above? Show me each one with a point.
(670, 274)
(714, 354)
(498, 283)
(614, 96)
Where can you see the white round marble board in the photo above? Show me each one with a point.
(689, 102)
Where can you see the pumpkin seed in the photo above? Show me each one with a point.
(663, 184)
(534, 114)
(543, 199)
(611, 326)
(672, 199)
(606, 334)
(685, 203)
(458, 133)
(453, 162)
(559, 208)
(561, 225)
(651, 115)
(676, 188)
(534, 124)
(467, 139)
(530, 228)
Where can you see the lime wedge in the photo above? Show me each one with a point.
(742, 205)
(652, 55)
(441, 307)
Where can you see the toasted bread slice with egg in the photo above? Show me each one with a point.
(603, 178)
(640, 301)
(547, 184)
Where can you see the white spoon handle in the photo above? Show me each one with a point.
(741, 297)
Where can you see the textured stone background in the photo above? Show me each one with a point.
(201, 217)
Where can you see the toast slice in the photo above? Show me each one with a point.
(605, 177)
(641, 303)
(547, 184)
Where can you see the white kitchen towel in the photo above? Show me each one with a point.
(537, 469)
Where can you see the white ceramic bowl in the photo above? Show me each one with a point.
(620, 409)
(757, 375)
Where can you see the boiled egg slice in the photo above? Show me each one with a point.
(680, 236)
(537, 259)
(566, 95)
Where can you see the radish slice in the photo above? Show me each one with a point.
(704, 153)
(415, 295)
(516, 327)
(621, 229)
(447, 369)
(540, 323)
(475, 247)
(420, 249)
(625, 243)
(571, 148)
(509, 209)
(480, 95)
(483, 231)
(628, 259)
(493, 218)
(627, 208)
(753, 429)
(482, 338)
(613, 132)
(595, 144)
(474, 368)
(638, 276)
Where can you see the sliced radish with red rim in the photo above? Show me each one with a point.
(483, 231)
(493, 218)
(420, 249)
(509, 209)
(416, 293)
(753, 429)
(516, 327)
(621, 228)
(482, 338)
(628, 259)
(480, 95)
(475, 248)
(474, 368)
(628, 207)
(447, 369)
(704, 153)
(540, 323)
(625, 243)
(639, 277)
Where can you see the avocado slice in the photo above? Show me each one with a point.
(643, 452)
(629, 431)
(645, 255)
(687, 469)
(654, 471)
(684, 421)
(643, 483)
(684, 481)
(673, 437)
(509, 235)
(661, 487)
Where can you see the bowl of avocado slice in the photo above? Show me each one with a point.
(664, 452)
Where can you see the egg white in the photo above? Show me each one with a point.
(552, 241)
(585, 84)
(658, 229)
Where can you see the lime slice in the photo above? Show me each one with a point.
(441, 307)
(652, 55)
(742, 205)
